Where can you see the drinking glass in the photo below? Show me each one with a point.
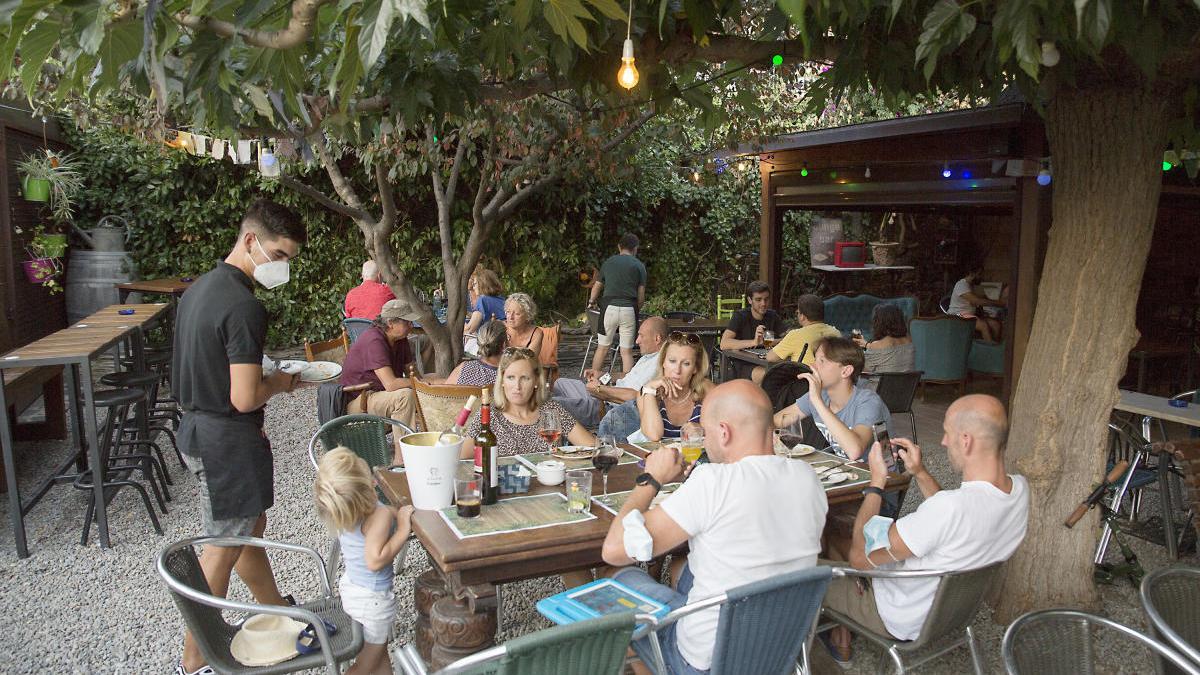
(768, 339)
(467, 496)
(549, 428)
(691, 437)
(579, 490)
(607, 454)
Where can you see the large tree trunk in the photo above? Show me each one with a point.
(1107, 146)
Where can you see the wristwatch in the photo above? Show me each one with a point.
(872, 490)
(647, 479)
(649, 391)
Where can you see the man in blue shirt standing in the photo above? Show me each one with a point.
(621, 289)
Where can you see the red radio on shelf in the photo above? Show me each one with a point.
(849, 254)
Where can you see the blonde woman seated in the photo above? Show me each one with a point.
(481, 372)
(673, 397)
(520, 312)
(521, 407)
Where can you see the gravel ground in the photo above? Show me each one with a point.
(71, 609)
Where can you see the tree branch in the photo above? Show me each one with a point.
(506, 209)
(340, 185)
(455, 170)
(299, 28)
(439, 196)
(387, 200)
(485, 176)
(322, 198)
(625, 133)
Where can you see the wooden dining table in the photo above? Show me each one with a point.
(754, 358)
(74, 348)
(456, 600)
(174, 287)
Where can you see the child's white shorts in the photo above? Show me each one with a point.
(375, 610)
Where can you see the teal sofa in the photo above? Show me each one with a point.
(847, 311)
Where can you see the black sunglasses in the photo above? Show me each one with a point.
(680, 336)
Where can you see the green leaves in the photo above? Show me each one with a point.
(946, 26)
(565, 18)
(1092, 21)
(377, 19)
(122, 44)
(1015, 32)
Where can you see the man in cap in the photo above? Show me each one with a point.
(380, 358)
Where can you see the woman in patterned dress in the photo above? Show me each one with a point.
(481, 372)
(520, 400)
(673, 397)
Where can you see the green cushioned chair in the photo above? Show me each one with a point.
(943, 344)
(986, 358)
(847, 311)
(593, 647)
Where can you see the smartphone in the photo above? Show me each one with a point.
(889, 452)
(605, 379)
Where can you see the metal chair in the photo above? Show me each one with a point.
(1127, 444)
(439, 404)
(180, 569)
(587, 647)
(548, 355)
(1171, 598)
(1059, 642)
(355, 327)
(947, 625)
(593, 319)
(763, 627)
(897, 391)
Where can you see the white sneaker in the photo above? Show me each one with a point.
(202, 670)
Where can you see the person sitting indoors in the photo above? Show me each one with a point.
(673, 398)
(966, 303)
(366, 299)
(487, 303)
(891, 350)
(980, 523)
(481, 372)
(371, 535)
(380, 357)
(521, 398)
(748, 325)
(746, 516)
(583, 398)
(843, 412)
(810, 314)
(520, 312)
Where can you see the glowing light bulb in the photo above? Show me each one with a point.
(1166, 165)
(777, 60)
(867, 173)
(945, 171)
(804, 170)
(268, 164)
(1044, 177)
(627, 76)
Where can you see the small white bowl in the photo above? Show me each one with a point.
(551, 472)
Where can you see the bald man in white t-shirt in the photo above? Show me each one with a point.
(980, 523)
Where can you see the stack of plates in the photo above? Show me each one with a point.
(314, 371)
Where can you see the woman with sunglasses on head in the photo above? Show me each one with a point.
(522, 398)
(673, 397)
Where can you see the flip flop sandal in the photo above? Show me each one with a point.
(309, 642)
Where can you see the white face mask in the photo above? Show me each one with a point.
(271, 274)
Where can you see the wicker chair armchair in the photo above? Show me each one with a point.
(333, 349)
(1171, 598)
(948, 624)
(592, 647)
(180, 569)
(1060, 642)
(438, 404)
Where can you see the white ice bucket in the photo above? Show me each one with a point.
(430, 467)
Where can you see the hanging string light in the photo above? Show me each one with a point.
(1043, 175)
(627, 76)
(946, 170)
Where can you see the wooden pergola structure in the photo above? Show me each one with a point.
(993, 155)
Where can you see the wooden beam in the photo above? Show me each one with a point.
(770, 237)
(1031, 220)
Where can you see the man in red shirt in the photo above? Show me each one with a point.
(366, 299)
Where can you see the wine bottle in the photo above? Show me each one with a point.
(461, 420)
(486, 454)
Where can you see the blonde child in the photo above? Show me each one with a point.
(346, 504)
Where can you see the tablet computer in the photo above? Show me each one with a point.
(599, 598)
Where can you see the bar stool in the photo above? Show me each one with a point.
(113, 473)
(158, 360)
(139, 429)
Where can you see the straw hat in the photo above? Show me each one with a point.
(266, 639)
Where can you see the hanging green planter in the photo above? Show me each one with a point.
(36, 189)
(51, 245)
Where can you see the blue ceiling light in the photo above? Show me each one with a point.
(946, 170)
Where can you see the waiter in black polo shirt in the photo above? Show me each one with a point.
(217, 374)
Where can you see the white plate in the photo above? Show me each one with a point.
(836, 477)
(314, 371)
(572, 452)
(801, 450)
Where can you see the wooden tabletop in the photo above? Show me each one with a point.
(85, 339)
(1157, 407)
(698, 325)
(537, 552)
(743, 355)
(174, 286)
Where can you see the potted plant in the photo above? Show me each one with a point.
(51, 177)
(885, 251)
(43, 266)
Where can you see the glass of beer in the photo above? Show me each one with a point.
(769, 339)
(467, 496)
(691, 437)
